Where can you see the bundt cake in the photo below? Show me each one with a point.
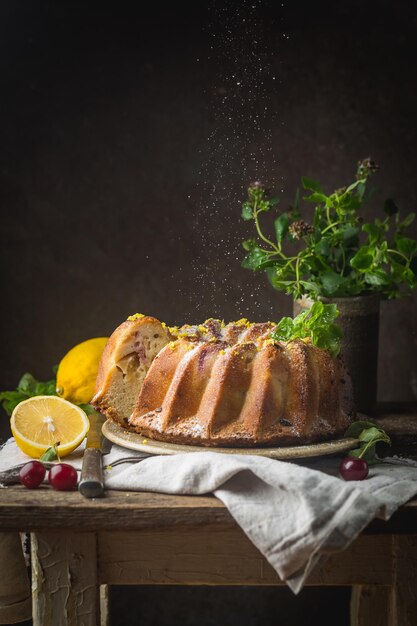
(221, 385)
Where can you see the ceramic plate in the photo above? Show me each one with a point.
(133, 441)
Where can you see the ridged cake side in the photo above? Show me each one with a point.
(238, 388)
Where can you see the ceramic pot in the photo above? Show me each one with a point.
(359, 320)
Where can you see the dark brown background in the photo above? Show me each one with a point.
(121, 177)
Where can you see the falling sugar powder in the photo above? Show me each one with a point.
(238, 150)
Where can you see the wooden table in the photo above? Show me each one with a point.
(78, 545)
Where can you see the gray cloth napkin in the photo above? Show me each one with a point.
(295, 514)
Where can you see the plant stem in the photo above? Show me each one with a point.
(262, 236)
(297, 274)
(399, 254)
(329, 226)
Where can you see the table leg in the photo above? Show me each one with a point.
(65, 587)
(369, 605)
(403, 596)
(15, 599)
(395, 605)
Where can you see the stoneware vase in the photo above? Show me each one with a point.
(359, 320)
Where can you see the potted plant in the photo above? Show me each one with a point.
(334, 255)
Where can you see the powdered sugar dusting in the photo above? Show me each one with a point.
(239, 149)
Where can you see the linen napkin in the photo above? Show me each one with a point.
(294, 513)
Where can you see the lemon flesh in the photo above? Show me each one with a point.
(77, 371)
(40, 422)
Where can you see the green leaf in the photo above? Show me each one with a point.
(315, 313)
(27, 387)
(309, 183)
(357, 427)
(328, 314)
(316, 198)
(407, 221)
(328, 338)
(254, 259)
(390, 208)
(362, 260)
(377, 277)
(374, 232)
(331, 281)
(322, 247)
(406, 245)
(264, 205)
(281, 226)
(316, 324)
(349, 232)
(284, 330)
(371, 434)
(51, 453)
(270, 262)
(27, 383)
(353, 186)
(247, 211)
(273, 201)
(360, 190)
(249, 244)
(87, 408)
(368, 435)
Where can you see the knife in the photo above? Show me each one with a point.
(91, 483)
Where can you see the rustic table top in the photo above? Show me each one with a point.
(44, 509)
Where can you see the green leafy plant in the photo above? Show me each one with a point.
(333, 252)
(316, 324)
(368, 435)
(28, 387)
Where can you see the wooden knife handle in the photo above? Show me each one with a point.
(91, 483)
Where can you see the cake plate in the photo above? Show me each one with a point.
(134, 441)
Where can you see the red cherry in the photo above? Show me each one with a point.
(63, 477)
(32, 474)
(352, 468)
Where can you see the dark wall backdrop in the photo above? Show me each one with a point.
(122, 172)
(126, 144)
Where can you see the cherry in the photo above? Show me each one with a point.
(352, 468)
(63, 477)
(32, 474)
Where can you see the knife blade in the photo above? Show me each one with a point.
(91, 483)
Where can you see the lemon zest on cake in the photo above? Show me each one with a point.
(135, 316)
(242, 322)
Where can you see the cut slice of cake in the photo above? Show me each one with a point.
(124, 364)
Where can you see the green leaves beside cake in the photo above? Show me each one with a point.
(333, 252)
(368, 435)
(316, 324)
(27, 387)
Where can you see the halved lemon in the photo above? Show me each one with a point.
(40, 422)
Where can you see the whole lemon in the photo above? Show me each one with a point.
(77, 371)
